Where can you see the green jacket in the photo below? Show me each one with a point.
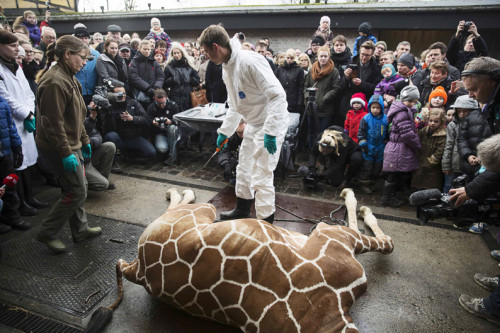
(61, 112)
(328, 91)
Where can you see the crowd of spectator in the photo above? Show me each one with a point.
(371, 96)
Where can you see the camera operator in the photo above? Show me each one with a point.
(98, 167)
(160, 114)
(475, 45)
(124, 124)
(336, 151)
(481, 77)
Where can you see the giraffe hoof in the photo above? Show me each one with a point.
(364, 211)
(169, 193)
(345, 192)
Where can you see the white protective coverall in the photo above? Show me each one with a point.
(256, 95)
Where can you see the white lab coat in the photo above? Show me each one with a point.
(16, 90)
(256, 95)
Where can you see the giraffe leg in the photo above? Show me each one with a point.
(350, 202)
(370, 220)
(174, 197)
(188, 197)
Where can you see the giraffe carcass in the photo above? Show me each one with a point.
(253, 275)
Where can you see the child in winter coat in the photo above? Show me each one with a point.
(158, 33)
(30, 23)
(386, 86)
(451, 158)
(354, 116)
(437, 99)
(400, 153)
(372, 137)
(433, 139)
(365, 34)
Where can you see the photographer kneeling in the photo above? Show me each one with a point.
(481, 78)
(160, 114)
(98, 166)
(125, 122)
(483, 186)
(335, 150)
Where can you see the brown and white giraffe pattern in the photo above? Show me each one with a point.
(253, 275)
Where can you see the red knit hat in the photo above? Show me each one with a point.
(360, 98)
(439, 92)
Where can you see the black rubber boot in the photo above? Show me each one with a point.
(25, 209)
(28, 191)
(241, 211)
(388, 196)
(270, 218)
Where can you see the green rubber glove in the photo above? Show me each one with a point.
(29, 124)
(220, 139)
(86, 151)
(270, 143)
(70, 163)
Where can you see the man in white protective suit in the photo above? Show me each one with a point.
(255, 95)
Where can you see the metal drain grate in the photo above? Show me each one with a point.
(74, 282)
(28, 322)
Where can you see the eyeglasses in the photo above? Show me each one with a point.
(125, 50)
(89, 58)
(29, 52)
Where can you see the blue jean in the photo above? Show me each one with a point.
(167, 141)
(492, 302)
(139, 144)
(448, 179)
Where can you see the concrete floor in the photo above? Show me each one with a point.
(414, 289)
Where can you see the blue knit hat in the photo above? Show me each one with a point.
(393, 70)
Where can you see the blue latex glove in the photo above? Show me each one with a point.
(270, 143)
(29, 124)
(220, 139)
(70, 163)
(86, 151)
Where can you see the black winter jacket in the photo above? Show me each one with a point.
(341, 59)
(370, 77)
(473, 130)
(145, 73)
(291, 77)
(127, 130)
(331, 162)
(94, 135)
(425, 87)
(180, 78)
(168, 111)
(216, 89)
(458, 57)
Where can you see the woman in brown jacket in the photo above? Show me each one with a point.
(62, 140)
(325, 77)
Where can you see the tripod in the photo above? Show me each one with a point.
(311, 113)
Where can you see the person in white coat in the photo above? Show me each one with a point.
(14, 87)
(255, 95)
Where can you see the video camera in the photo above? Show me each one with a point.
(432, 204)
(309, 178)
(105, 97)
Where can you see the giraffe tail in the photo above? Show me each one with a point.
(102, 316)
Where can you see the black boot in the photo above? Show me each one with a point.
(388, 196)
(28, 191)
(25, 209)
(270, 218)
(241, 211)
